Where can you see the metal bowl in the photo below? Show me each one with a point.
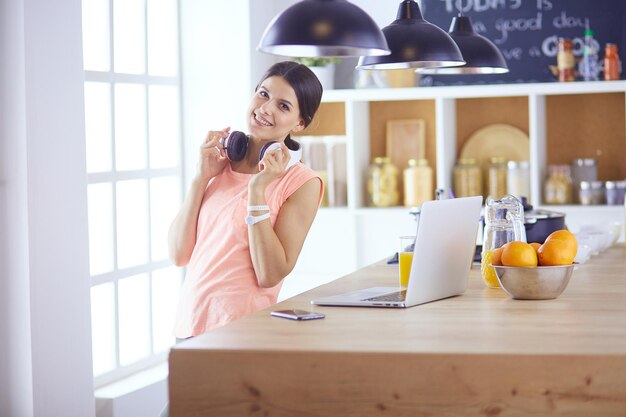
(534, 283)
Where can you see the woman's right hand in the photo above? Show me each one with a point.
(212, 159)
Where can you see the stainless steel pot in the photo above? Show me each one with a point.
(540, 223)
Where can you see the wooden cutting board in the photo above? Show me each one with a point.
(405, 139)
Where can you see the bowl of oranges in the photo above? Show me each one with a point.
(536, 271)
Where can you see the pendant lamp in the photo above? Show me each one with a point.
(481, 55)
(313, 28)
(414, 43)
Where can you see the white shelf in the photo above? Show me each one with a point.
(474, 91)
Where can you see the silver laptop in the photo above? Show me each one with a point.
(442, 258)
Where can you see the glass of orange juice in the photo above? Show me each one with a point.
(405, 258)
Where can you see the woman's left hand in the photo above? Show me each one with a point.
(271, 166)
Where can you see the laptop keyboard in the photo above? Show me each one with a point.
(394, 296)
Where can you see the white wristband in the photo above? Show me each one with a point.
(258, 208)
(250, 220)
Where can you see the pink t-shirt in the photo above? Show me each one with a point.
(220, 285)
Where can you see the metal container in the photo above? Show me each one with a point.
(540, 223)
(583, 170)
(591, 193)
(534, 283)
(615, 192)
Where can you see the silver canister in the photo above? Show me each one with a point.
(615, 192)
(584, 169)
(591, 193)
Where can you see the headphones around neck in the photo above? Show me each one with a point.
(236, 147)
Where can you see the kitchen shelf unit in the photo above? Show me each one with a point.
(590, 115)
(564, 121)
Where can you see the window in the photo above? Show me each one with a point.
(133, 142)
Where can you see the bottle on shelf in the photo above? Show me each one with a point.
(382, 183)
(565, 60)
(418, 182)
(467, 178)
(589, 66)
(558, 186)
(612, 63)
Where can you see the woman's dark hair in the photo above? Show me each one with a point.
(307, 87)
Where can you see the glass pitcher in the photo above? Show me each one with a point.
(504, 222)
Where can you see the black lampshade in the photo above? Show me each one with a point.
(414, 43)
(313, 28)
(481, 55)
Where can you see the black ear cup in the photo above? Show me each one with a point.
(236, 145)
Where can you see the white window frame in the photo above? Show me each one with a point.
(113, 177)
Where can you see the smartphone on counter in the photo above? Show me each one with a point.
(298, 314)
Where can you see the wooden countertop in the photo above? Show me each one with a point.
(481, 353)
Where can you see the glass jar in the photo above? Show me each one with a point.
(418, 182)
(496, 178)
(565, 60)
(518, 178)
(584, 169)
(558, 187)
(504, 223)
(467, 178)
(382, 183)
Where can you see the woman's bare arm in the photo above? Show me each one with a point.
(182, 233)
(274, 250)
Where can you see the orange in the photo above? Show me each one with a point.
(535, 246)
(555, 252)
(496, 256)
(570, 240)
(518, 254)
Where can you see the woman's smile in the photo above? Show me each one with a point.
(260, 120)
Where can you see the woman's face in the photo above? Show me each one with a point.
(274, 111)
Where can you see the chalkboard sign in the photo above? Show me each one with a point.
(527, 32)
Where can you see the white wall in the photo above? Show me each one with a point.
(215, 51)
(45, 360)
(15, 365)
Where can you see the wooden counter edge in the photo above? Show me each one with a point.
(280, 384)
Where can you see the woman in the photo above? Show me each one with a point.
(235, 264)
